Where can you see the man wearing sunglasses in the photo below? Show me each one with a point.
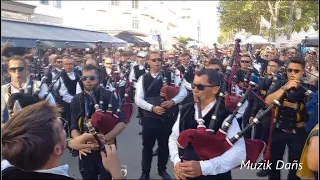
(158, 117)
(186, 71)
(290, 118)
(20, 81)
(90, 165)
(215, 64)
(261, 130)
(206, 85)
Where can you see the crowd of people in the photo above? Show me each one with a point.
(46, 111)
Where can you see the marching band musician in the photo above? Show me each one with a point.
(206, 85)
(68, 80)
(139, 69)
(290, 117)
(156, 124)
(262, 129)
(124, 64)
(245, 63)
(90, 165)
(20, 82)
(186, 72)
(215, 64)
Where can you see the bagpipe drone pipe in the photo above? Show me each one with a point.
(219, 143)
(231, 99)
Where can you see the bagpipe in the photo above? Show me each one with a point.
(231, 99)
(219, 143)
(105, 121)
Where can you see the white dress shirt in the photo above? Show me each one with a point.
(4, 91)
(183, 81)
(132, 75)
(63, 91)
(220, 164)
(139, 96)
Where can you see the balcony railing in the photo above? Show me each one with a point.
(15, 16)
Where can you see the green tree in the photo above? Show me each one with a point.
(237, 15)
(183, 40)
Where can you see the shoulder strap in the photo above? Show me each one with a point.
(31, 87)
(153, 82)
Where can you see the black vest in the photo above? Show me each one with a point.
(155, 90)
(288, 117)
(170, 115)
(138, 72)
(187, 121)
(15, 173)
(187, 74)
(71, 85)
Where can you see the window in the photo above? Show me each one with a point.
(115, 3)
(135, 4)
(135, 23)
(45, 2)
(57, 3)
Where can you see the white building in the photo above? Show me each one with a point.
(168, 18)
(146, 17)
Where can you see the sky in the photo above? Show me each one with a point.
(207, 14)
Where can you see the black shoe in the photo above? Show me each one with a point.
(140, 133)
(262, 173)
(156, 152)
(144, 176)
(165, 175)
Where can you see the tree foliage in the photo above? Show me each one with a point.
(183, 40)
(237, 15)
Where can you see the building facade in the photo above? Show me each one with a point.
(145, 17)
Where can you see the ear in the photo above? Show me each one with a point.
(215, 90)
(57, 150)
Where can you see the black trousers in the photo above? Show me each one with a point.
(245, 120)
(262, 130)
(150, 134)
(295, 144)
(91, 166)
(122, 91)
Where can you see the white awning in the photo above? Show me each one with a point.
(149, 39)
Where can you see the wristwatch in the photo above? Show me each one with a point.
(67, 141)
(174, 103)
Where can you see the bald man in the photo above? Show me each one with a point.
(92, 62)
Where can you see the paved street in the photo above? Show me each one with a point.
(129, 149)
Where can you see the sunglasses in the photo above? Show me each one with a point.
(245, 62)
(154, 60)
(91, 78)
(312, 53)
(59, 62)
(108, 63)
(140, 57)
(296, 71)
(14, 69)
(200, 87)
